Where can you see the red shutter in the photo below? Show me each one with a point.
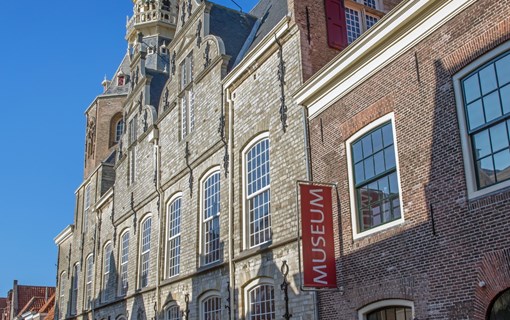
(335, 20)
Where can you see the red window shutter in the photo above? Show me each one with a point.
(336, 24)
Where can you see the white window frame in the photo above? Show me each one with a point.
(252, 285)
(86, 206)
(352, 189)
(203, 221)
(89, 278)
(246, 206)
(469, 165)
(123, 273)
(362, 313)
(174, 198)
(187, 96)
(75, 285)
(360, 8)
(206, 296)
(62, 285)
(107, 265)
(142, 252)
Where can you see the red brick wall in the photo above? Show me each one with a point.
(439, 272)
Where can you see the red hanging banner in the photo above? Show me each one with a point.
(318, 236)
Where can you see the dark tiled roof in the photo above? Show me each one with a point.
(157, 85)
(269, 13)
(232, 27)
(113, 88)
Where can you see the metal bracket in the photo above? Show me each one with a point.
(281, 79)
(185, 313)
(285, 288)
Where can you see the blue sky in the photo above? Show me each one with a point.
(53, 57)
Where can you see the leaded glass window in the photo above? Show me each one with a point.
(211, 219)
(211, 308)
(89, 277)
(74, 290)
(261, 303)
(500, 309)
(258, 193)
(172, 313)
(375, 177)
(145, 252)
(391, 313)
(486, 97)
(174, 237)
(106, 270)
(124, 255)
(353, 24)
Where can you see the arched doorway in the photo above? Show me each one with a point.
(500, 308)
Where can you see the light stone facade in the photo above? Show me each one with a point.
(245, 68)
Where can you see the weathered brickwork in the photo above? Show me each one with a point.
(447, 243)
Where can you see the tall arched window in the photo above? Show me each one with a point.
(211, 218)
(119, 130)
(210, 307)
(62, 303)
(172, 312)
(145, 252)
(107, 261)
(261, 302)
(74, 290)
(124, 256)
(257, 191)
(88, 284)
(174, 237)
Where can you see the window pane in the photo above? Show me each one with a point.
(377, 140)
(359, 172)
(505, 98)
(488, 79)
(369, 168)
(486, 172)
(499, 136)
(492, 106)
(482, 146)
(503, 70)
(357, 151)
(502, 165)
(211, 227)
(353, 24)
(387, 135)
(379, 163)
(471, 88)
(367, 145)
(475, 114)
(389, 157)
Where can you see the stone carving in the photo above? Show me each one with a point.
(198, 33)
(91, 136)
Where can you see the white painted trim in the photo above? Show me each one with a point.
(352, 190)
(64, 235)
(140, 252)
(469, 165)
(362, 313)
(174, 197)
(203, 179)
(253, 141)
(257, 52)
(410, 23)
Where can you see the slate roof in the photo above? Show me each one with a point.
(233, 27)
(157, 85)
(113, 89)
(269, 13)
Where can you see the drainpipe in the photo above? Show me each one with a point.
(231, 204)
(309, 177)
(157, 182)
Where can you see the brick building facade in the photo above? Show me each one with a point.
(410, 122)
